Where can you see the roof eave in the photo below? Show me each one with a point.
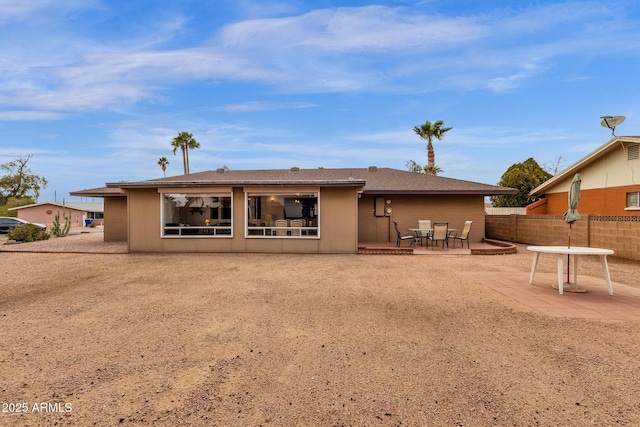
(90, 193)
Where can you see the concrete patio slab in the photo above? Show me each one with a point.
(596, 303)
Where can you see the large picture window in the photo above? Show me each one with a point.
(197, 215)
(283, 215)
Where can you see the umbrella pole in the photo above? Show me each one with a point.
(568, 256)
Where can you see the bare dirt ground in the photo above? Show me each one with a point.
(300, 340)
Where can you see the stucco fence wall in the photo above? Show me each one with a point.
(619, 233)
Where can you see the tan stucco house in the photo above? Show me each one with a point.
(610, 182)
(285, 210)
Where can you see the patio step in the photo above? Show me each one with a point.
(494, 247)
(487, 247)
(384, 250)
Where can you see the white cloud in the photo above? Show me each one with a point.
(29, 116)
(325, 50)
(255, 106)
(19, 10)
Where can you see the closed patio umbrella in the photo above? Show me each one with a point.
(572, 214)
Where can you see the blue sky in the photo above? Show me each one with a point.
(96, 90)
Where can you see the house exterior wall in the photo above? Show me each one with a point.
(115, 219)
(597, 201)
(611, 170)
(46, 213)
(604, 186)
(408, 209)
(338, 227)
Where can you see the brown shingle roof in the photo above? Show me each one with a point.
(375, 181)
(98, 192)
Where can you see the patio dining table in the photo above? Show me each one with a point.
(419, 233)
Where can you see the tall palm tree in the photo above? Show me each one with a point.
(185, 142)
(163, 162)
(428, 132)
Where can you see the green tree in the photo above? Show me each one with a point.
(524, 177)
(185, 142)
(14, 202)
(19, 182)
(428, 132)
(163, 162)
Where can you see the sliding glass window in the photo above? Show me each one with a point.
(206, 215)
(283, 215)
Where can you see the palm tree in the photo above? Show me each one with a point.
(427, 132)
(184, 141)
(413, 166)
(163, 162)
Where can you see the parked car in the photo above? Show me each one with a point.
(7, 223)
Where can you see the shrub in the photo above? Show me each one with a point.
(28, 233)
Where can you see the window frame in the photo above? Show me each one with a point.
(629, 206)
(268, 231)
(199, 231)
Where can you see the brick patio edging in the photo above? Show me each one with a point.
(501, 248)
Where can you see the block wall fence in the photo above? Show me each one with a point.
(619, 233)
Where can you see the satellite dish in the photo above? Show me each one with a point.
(611, 122)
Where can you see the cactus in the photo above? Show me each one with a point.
(57, 230)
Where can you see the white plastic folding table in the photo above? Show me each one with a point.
(576, 251)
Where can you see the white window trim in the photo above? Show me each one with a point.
(632, 208)
(264, 235)
(195, 236)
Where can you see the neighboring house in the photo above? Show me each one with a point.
(491, 210)
(79, 213)
(610, 182)
(286, 210)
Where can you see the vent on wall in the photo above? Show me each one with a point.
(633, 152)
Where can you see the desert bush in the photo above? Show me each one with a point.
(28, 233)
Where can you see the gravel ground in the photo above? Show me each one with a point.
(78, 242)
(105, 338)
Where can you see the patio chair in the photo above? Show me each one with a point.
(464, 235)
(281, 223)
(424, 224)
(400, 236)
(440, 233)
(295, 224)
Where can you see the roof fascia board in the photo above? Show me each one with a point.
(187, 190)
(67, 205)
(585, 161)
(263, 189)
(84, 193)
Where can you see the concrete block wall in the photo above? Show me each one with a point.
(619, 233)
(622, 234)
(501, 227)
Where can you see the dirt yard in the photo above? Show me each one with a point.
(300, 340)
